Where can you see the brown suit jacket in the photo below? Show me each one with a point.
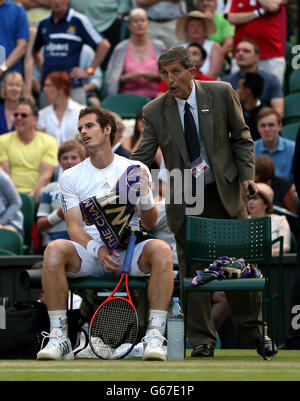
(226, 137)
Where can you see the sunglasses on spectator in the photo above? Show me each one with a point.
(23, 115)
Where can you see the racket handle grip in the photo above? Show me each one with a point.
(129, 253)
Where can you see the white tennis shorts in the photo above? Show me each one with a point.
(91, 266)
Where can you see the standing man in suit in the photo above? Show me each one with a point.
(225, 147)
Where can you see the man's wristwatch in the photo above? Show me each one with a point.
(90, 70)
(3, 67)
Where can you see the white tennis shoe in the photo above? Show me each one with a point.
(59, 347)
(153, 346)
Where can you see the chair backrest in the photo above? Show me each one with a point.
(294, 81)
(291, 108)
(28, 210)
(290, 131)
(5, 252)
(209, 239)
(125, 104)
(11, 241)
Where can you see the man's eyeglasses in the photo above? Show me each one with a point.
(23, 115)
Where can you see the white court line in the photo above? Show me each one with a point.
(58, 370)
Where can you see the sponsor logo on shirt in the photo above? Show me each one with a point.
(57, 49)
(72, 29)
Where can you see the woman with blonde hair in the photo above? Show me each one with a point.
(11, 91)
(132, 67)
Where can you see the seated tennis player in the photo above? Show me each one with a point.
(95, 249)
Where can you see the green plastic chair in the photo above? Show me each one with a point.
(290, 131)
(250, 239)
(125, 104)
(294, 81)
(11, 241)
(5, 252)
(28, 210)
(291, 108)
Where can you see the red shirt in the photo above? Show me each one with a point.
(201, 77)
(265, 31)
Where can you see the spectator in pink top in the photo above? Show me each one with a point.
(132, 67)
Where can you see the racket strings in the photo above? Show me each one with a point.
(114, 329)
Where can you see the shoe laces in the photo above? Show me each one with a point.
(55, 337)
(155, 338)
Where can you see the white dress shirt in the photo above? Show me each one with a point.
(192, 101)
(64, 130)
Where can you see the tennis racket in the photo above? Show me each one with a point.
(114, 325)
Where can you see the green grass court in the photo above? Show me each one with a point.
(227, 365)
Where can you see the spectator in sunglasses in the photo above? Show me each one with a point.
(28, 156)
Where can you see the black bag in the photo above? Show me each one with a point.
(25, 321)
(21, 339)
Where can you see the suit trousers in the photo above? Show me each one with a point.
(245, 306)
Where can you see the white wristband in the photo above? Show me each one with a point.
(54, 218)
(147, 201)
(93, 247)
(259, 13)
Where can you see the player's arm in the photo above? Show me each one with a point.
(148, 209)
(73, 218)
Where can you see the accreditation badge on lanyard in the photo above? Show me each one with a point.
(198, 167)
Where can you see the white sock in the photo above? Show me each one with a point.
(157, 320)
(58, 319)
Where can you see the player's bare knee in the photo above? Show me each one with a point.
(162, 255)
(55, 254)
